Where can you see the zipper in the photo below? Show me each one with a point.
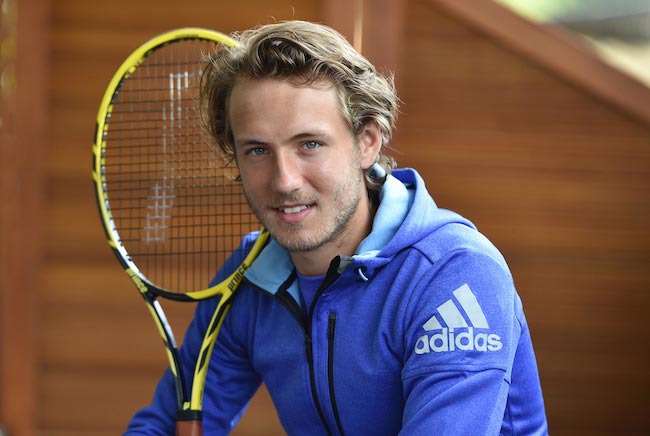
(331, 328)
(312, 382)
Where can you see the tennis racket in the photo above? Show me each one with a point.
(172, 207)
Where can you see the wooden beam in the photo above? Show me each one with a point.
(374, 27)
(556, 51)
(21, 195)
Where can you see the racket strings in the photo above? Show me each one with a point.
(177, 205)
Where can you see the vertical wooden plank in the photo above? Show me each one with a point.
(383, 22)
(7, 188)
(374, 27)
(21, 199)
(344, 17)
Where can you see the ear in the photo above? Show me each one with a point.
(369, 142)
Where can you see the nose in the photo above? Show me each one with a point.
(287, 175)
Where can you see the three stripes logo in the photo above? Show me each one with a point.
(449, 330)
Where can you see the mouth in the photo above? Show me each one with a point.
(294, 213)
(294, 209)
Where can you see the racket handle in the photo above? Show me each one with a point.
(189, 428)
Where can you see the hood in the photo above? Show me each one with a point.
(406, 215)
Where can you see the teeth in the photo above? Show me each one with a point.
(293, 209)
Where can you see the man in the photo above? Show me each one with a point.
(371, 311)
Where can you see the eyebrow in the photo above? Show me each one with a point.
(321, 134)
(312, 134)
(243, 142)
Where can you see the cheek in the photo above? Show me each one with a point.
(251, 181)
(339, 167)
(340, 162)
(324, 175)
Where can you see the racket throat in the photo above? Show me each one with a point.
(188, 415)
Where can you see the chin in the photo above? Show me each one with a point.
(296, 243)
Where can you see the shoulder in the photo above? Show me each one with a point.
(461, 269)
(457, 238)
(462, 311)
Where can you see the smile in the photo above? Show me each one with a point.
(293, 209)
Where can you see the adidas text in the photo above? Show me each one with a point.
(451, 340)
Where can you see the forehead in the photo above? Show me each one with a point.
(270, 84)
(273, 103)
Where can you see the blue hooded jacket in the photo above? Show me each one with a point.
(421, 332)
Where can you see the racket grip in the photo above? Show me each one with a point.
(189, 428)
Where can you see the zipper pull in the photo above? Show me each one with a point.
(310, 356)
(331, 324)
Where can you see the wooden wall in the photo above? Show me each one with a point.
(555, 176)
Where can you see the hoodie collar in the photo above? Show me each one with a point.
(394, 203)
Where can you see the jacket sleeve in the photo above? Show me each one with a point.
(462, 333)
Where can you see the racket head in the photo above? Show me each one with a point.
(172, 207)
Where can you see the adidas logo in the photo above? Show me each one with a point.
(458, 332)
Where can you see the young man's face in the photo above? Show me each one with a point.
(301, 167)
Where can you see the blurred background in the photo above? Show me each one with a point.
(532, 118)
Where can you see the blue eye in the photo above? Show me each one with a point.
(256, 151)
(311, 145)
